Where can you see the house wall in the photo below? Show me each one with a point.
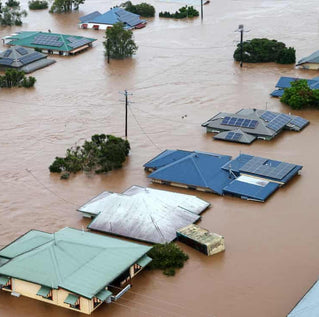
(310, 66)
(30, 290)
(101, 26)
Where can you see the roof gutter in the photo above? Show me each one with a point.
(121, 293)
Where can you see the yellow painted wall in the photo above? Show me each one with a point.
(30, 290)
(310, 66)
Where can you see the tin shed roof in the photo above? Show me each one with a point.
(145, 214)
(77, 261)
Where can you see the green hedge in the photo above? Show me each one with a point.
(182, 13)
(143, 9)
(38, 5)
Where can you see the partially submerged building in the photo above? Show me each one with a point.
(247, 125)
(97, 20)
(310, 62)
(23, 59)
(70, 268)
(51, 43)
(308, 306)
(201, 239)
(248, 177)
(285, 82)
(144, 214)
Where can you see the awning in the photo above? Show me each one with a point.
(71, 299)
(144, 260)
(4, 280)
(79, 49)
(44, 291)
(103, 294)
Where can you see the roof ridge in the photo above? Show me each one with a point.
(198, 169)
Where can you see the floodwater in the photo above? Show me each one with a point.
(182, 75)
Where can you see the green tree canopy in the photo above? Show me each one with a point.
(182, 13)
(264, 50)
(300, 95)
(143, 9)
(11, 15)
(119, 42)
(16, 78)
(60, 6)
(38, 4)
(102, 154)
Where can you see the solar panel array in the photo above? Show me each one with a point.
(278, 122)
(299, 122)
(30, 58)
(128, 17)
(259, 166)
(240, 122)
(72, 39)
(268, 116)
(6, 61)
(233, 136)
(7, 53)
(48, 40)
(79, 43)
(21, 51)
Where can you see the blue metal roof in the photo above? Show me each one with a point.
(284, 82)
(313, 58)
(196, 169)
(250, 191)
(113, 16)
(277, 93)
(308, 306)
(89, 17)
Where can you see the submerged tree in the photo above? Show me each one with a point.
(143, 9)
(60, 6)
(102, 154)
(38, 4)
(182, 13)
(11, 15)
(16, 78)
(119, 42)
(300, 95)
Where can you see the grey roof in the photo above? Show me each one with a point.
(23, 58)
(261, 130)
(144, 214)
(245, 137)
(313, 58)
(308, 306)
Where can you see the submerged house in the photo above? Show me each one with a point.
(247, 125)
(97, 20)
(248, 177)
(285, 82)
(310, 62)
(51, 43)
(23, 59)
(201, 239)
(70, 268)
(308, 306)
(144, 214)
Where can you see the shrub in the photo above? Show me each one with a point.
(12, 3)
(11, 15)
(184, 12)
(102, 154)
(264, 50)
(167, 257)
(16, 78)
(38, 4)
(143, 9)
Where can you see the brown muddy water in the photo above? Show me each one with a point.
(181, 68)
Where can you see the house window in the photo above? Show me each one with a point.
(96, 302)
(73, 300)
(8, 285)
(137, 268)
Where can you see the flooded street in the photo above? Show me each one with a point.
(181, 68)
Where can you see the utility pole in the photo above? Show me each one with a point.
(241, 30)
(201, 10)
(126, 94)
(108, 50)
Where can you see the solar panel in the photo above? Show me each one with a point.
(21, 51)
(7, 53)
(240, 122)
(30, 58)
(79, 42)
(263, 167)
(6, 61)
(233, 136)
(229, 135)
(299, 122)
(278, 122)
(268, 116)
(237, 136)
(72, 39)
(48, 40)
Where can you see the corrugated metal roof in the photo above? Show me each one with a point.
(277, 93)
(245, 137)
(90, 16)
(144, 213)
(312, 58)
(308, 306)
(80, 262)
(285, 82)
(104, 294)
(27, 40)
(144, 260)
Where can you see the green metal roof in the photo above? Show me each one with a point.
(103, 294)
(71, 299)
(44, 291)
(4, 280)
(144, 260)
(77, 261)
(27, 38)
